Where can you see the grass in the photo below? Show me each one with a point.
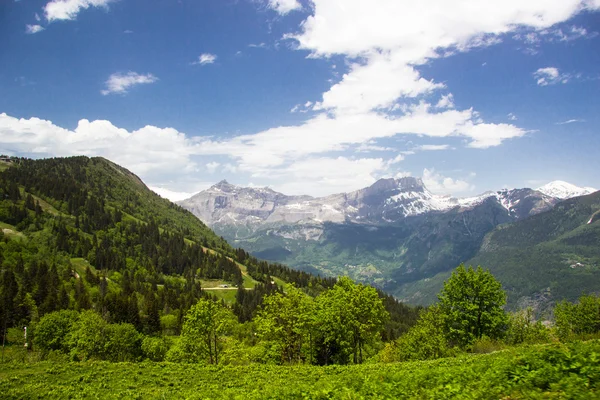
(538, 372)
(227, 295)
(10, 230)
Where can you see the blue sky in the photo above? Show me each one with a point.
(308, 97)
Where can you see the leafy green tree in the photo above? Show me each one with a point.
(578, 319)
(424, 341)
(286, 321)
(122, 343)
(53, 329)
(350, 316)
(203, 327)
(472, 301)
(523, 328)
(87, 337)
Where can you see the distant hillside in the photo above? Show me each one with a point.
(548, 257)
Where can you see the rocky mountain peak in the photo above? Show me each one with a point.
(405, 184)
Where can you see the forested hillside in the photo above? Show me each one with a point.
(543, 259)
(85, 234)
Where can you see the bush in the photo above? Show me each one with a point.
(52, 330)
(122, 343)
(424, 341)
(486, 345)
(576, 320)
(523, 328)
(156, 348)
(86, 340)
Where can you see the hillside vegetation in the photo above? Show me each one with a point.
(537, 372)
(540, 260)
(85, 234)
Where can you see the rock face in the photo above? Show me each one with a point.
(386, 201)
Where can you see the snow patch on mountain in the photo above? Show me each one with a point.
(564, 190)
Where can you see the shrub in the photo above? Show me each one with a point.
(426, 340)
(122, 343)
(523, 328)
(581, 319)
(156, 348)
(86, 339)
(52, 330)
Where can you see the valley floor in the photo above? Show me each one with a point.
(570, 371)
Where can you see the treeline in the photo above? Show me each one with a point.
(342, 325)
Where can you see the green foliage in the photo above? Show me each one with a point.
(472, 302)
(53, 329)
(86, 339)
(122, 343)
(287, 322)
(523, 328)
(556, 371)
(424, 341)
(204, 325)
(156, 348)
(350, 316)
(580, 319)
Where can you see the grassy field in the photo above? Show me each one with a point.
(538, 372)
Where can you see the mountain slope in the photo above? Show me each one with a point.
(81, 233)
(395, 233)
(540, 260)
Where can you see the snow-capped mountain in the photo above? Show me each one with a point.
(386, 201)
(564, 190)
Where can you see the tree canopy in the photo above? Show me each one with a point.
(472, 302)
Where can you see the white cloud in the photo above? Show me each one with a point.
(512, 116)
(446, 101)
(121, 82)
(212, 166)
(37, 17)
(489, 135)
(172, 195)
(153, 153)
(261, 45)
(550, 76)
(438, 183)
(433, 147)
(570, 121)
(385, 43)
(284, 6)
(68, 9)
(321, 176)
(205, 58)
(31, 29)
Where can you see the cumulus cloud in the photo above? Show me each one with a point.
(31, 29)
(438, 183)
(205, 58)
(173, 195)
(284, 6)
(550, 76)
(321, 176)
(151, 152)
(68, 9)
(384, 45)
(446, 101)
(121, 82)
